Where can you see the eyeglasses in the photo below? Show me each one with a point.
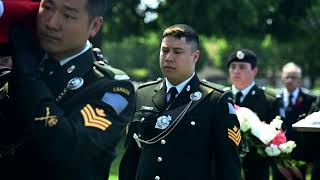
(291, 77)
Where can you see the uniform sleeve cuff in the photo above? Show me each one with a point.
(1, 8)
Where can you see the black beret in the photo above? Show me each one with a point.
(243, 55)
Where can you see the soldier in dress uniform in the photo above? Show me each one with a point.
(183, 128)
(243, 68)
(68, 109)
(295, 103)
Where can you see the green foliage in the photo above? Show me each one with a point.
(277, 30)
(224, 18)
(139, 56)
(135, 53)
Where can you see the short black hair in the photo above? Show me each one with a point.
(182, 30)
(96, 7)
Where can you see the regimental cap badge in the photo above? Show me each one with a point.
(240, 55)
(196, 96)
(75, 83)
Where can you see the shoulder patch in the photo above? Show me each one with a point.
(214, 86)
(150, 83)
(115, 100)
(107, 69)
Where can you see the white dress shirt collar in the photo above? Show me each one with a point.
(286, 94)
(244, 91)
(179, 86)
(66, 60)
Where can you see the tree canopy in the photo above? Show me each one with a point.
(278, 30)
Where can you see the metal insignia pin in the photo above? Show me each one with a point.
(188, 88)
(163, 122)
(75, 83)
(71, 69)
(196, 96)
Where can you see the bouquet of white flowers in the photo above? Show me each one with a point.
(269, 140)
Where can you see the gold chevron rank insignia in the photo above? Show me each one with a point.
(234, 135)
(95, 118)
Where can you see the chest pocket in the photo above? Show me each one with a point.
(146, 120)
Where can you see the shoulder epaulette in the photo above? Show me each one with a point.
(215, 86)
(269, 91)
(150, 83)
(112, 72)
(307, 91)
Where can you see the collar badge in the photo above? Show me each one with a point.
(196, 96)
(71, 69)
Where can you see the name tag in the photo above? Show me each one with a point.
(146, 108)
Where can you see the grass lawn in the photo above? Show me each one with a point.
(111, 177)
(120, 150)
(115, 164)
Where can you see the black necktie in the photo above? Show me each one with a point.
(173, 92)
(237, 98)
(290, 105)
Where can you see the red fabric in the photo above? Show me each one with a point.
(15, 11)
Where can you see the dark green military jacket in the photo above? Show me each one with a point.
(182, 141)
(262, 103)
(66, 125)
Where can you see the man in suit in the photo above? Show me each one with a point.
(296, 102)
(243, 68)
(183, 128)
(67, 108)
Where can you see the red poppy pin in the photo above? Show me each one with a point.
(299, 102)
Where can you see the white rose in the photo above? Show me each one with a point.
(276, 122)
(287, 147)
(245, 125)
(272, 150)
